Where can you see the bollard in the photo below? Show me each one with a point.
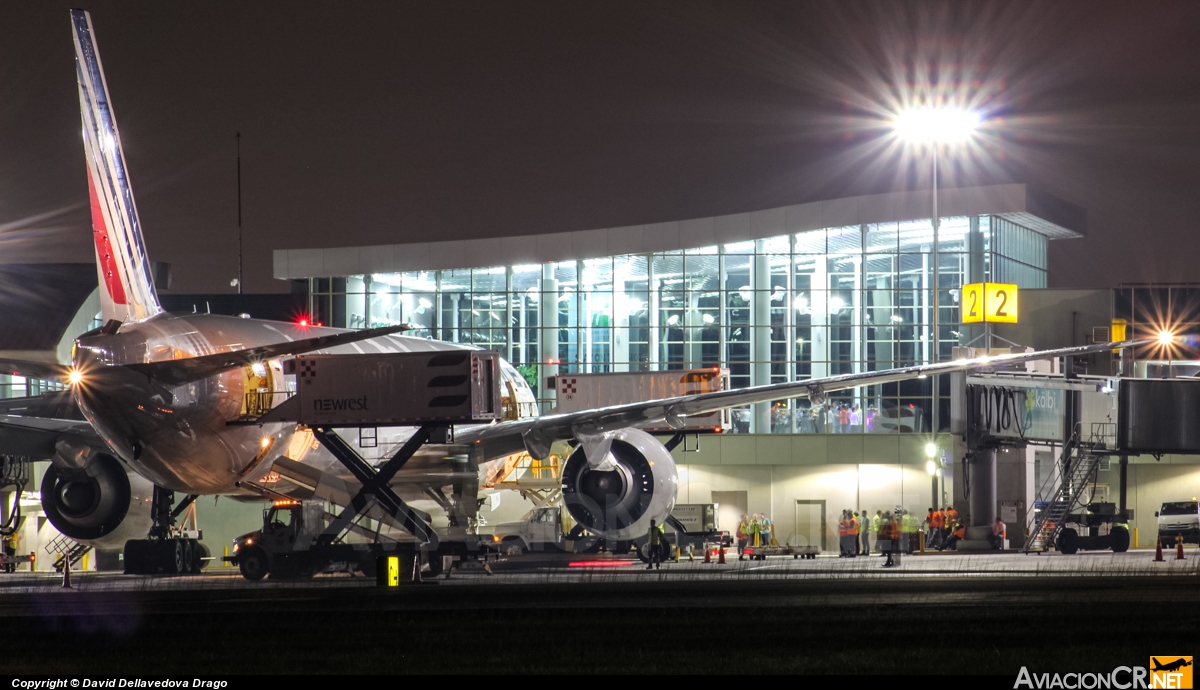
(66, 572)
(921, 541)
(1158, 558)
(84, 565)
(1179, 548)
(387, 571)
(677, 554)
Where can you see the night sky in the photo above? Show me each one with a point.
(374, 123)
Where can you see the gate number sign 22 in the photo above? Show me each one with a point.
(990, 302)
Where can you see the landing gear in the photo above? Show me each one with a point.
(168, 550)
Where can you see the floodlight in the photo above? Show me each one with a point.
(936, 125)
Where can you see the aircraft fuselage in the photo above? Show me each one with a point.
(178, 436)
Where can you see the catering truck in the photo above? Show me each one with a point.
(549, 529)
(577, 392)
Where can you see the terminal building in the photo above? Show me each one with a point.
(782, 294)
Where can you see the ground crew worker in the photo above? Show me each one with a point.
(655, 539)
(755, 530)
(939, 528)
(887, 538)
(743, 534)
(951, 518)
(927, 526)
(908, 526)
(854, 528)
(843, 528)
(999, 534)
(864, 529)
(764, 529)
(959, 533)
(876, 526)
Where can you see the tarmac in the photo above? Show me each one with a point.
(992, 613)
(567, 569)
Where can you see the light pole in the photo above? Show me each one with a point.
(932, 466)
(935, 126)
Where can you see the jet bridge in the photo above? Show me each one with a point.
(1090, 420)
(432, 391)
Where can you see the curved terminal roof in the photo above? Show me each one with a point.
(1025, 206)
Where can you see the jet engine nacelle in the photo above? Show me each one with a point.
(617, 497)
(103, 504)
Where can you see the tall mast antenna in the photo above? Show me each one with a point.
(239, 183)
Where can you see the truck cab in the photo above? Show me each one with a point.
(541, 530)
(1178, 519)
(288, 527)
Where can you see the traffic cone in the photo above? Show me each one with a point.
(721, 558)
(707, 554)
(416, 575)
(66, 572)
(1158, 551)
(1179, 549)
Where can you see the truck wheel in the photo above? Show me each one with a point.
(619, 548)
(253, 563)
(512, 547)
(1068, 541)
(1119, 539)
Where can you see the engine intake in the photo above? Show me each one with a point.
(634, 484)
(97, 504)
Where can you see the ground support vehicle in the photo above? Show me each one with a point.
(760, 553)
(429, 391)
(1178, 519)
(289, 545)
(544, 529)
(1093, 519)
(10, 561)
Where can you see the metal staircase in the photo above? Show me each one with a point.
(1065, 488)
(62, 547)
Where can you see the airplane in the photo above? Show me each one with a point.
(1179, 663)
(150, 394)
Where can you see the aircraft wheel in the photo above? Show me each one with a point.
(253, 563)
(178, 550)
(187, 565)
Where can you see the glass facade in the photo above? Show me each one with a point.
(792, 307)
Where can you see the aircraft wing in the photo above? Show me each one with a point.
(54, 405)
(177, 372)
(33, 426)
(535, 435)
(47, 371)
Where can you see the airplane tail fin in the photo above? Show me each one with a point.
(126, 287)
